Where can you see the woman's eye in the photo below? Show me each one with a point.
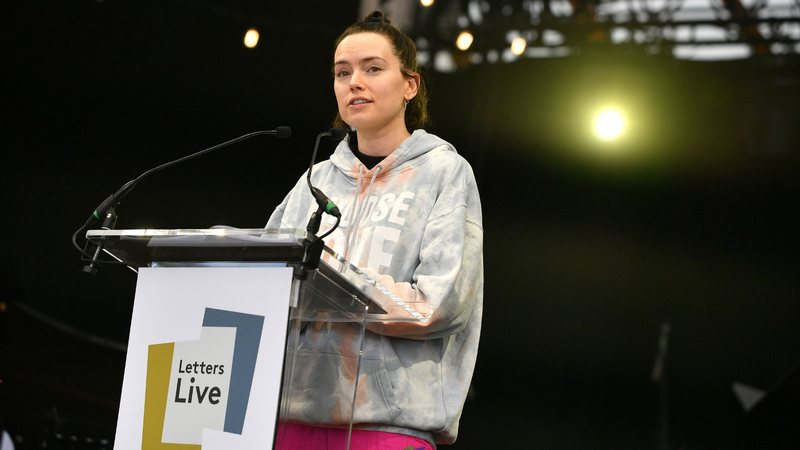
(373, 69)
(342, 73)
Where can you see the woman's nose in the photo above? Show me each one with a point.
(355, 81)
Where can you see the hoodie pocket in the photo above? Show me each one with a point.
(375, 401)
(321, 391)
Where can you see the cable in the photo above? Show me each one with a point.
(335, 226)
(69, 329)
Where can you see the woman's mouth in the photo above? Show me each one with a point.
(358, 102)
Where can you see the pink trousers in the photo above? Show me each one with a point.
(303, 437)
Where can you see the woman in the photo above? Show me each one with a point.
(411, 217)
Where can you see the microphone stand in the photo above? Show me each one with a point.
(108, 224)
(659, 378)
(106, 209)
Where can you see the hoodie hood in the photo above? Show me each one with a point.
(409, 151)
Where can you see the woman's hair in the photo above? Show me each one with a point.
(416, 114)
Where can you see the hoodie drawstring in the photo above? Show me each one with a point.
(361, 209)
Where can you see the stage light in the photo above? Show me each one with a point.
(426, 3)
(518, 45)
(251, 38)
(609, 124)
(464, 40)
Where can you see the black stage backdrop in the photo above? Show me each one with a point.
(585, 258)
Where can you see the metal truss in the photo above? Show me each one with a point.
(689, 29)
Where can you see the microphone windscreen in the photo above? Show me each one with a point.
(284, 132)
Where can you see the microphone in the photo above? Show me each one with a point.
(323, 202)
(313, 249)
(105, 210)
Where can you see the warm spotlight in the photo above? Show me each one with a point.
(609, 124)
(251, 38)
(426, 3)
(464, 40)
(518, 45)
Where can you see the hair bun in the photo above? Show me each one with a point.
(377, 17)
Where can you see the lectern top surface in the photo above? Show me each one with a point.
(288, 235)
(143, 247)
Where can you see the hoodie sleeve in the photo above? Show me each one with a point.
(292, 202)
(447, 285)
(275, 219)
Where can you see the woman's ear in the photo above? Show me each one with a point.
(412, 85)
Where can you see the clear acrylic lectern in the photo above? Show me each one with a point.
(332, 294)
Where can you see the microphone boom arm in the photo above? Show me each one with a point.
(105, 210)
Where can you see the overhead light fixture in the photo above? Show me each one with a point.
(609, 124)
(518, 45)
(251, 38)
(464, 40)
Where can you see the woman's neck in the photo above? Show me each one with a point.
(381, 143)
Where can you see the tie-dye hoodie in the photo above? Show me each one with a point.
(414, 221)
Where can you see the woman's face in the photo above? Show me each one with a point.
(370, 88)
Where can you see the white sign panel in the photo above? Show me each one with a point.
(205, 356)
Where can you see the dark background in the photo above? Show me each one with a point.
(586, 256)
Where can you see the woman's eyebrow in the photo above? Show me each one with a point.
(367, 59)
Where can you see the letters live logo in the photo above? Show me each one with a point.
(199, 384)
